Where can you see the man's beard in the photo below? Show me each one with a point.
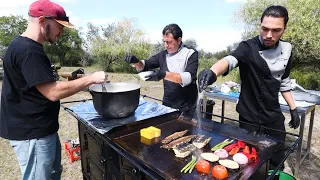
(47, 33)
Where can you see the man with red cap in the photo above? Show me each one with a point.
(30, 97)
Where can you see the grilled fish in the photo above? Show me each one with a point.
(184, 150)
(201, 141)
(174, 136)
(179, 141)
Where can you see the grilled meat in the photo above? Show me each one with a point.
(179, 141)
(184, 150)
(174, 136)
(201, 141)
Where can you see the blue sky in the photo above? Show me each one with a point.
(209, 22)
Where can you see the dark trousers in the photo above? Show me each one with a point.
(278, 155)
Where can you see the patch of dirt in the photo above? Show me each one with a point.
(9, 169)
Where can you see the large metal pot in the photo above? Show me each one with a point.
(119, 100)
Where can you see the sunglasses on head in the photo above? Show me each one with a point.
(61, 18)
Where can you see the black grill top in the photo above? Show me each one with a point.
(148, 154)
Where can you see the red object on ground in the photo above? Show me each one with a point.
(72, 152)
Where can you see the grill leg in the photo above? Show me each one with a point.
(310, 132)
(222, 112)
(298, 154)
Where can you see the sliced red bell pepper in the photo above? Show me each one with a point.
(253, 150)
(241, 144)
(230, 147)
(234, 150)
(251, 157)
(246, 150)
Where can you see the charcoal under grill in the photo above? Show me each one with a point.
(121, 153)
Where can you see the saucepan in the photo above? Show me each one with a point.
(119, 99)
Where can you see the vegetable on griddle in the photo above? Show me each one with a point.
(203, 166)
(229, 147)
(222, 144)
(219, 171)
(210, 157)
(229, 164)
(240, 158)
(189, 167)
(234, 150)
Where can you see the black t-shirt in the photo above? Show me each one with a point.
(25, 112)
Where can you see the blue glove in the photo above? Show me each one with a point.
(132, 59)
(206, 77)
(295, 119)
(157, 75)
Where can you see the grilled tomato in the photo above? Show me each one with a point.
(203, 166)
(219, 172)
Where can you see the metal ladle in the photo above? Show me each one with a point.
(103, 84)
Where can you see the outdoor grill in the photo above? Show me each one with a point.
(113, 149)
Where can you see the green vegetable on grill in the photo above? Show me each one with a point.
(189, 167)
(222, 144)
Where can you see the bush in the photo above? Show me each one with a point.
(205, 63)
(308, 80)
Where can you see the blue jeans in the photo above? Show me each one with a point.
(39, 159)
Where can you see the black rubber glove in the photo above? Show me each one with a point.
(157, 75)
(206, 77)
(295, 119)
(132, 59)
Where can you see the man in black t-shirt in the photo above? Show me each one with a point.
(264, 62)
(30, 94)
(178, 67)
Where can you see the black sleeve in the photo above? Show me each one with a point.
(192, 65)
(153, 62)
(242, 52)
(288, 68)
(36, 69)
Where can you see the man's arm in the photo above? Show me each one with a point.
(173, 77)
(289, 99)
(55, 91)
(139, 66)
(220, 67)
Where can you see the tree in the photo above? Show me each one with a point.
(109, 44)
(303, 29)
(67, 51)
(10, 27)
(191, 43)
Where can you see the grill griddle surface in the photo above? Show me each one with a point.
(163, 161)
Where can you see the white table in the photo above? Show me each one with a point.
(303, 111)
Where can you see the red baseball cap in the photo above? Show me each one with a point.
(50, 10)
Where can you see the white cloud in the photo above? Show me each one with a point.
(210, 40)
